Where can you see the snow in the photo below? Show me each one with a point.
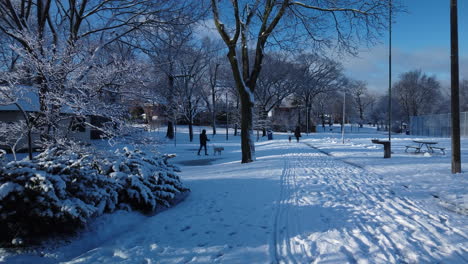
(9, 187)
(316, 201)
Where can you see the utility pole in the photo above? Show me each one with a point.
(390, 76)
(455, 100)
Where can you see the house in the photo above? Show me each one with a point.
(284, 118)
(155, 114)
(70, 125)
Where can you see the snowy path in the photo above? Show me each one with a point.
(293, 205)
(332, 212)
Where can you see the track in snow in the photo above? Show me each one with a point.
(330, 211)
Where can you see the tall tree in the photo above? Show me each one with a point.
(361, 97)
(59, 41)
(318, 75)
(277, 81)
(215, 65)
(250, 24)
(417, 93)
(191, 68)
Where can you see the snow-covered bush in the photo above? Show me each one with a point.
(145, 181)
(61, 189)
(2, 155)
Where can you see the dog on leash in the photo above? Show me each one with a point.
(217, 150)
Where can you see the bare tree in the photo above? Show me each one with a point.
(417, 93)
(61, 41)
(188, 88)
(361, 97)
(13, 133)
(166, 47)
(318, 76)
(277, 81)
(212, 87)
(254, 23)
(464, 95)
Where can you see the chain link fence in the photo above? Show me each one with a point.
(437, 125)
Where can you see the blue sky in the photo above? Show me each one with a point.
(421, 40)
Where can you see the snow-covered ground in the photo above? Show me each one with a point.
(316, 201)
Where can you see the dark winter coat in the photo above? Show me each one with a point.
(203, 139)
(297, 132)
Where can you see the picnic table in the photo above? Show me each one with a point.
(429, 146)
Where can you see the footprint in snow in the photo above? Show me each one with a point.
(185, 228)
(218, 255)
(443, 220)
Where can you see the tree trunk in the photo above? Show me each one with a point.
(213, 100)
(247, 144)
(264, 117)
(213, 114)
(190, 125)
(214, 122)
(170, 130)
(190, 120)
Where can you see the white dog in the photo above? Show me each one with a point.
(217, 150)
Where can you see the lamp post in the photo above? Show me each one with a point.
(307, 120)
(344, 111)
(227, 118)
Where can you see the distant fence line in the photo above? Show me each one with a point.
(437, 125)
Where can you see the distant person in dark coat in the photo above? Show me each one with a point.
(297, 133)
(203, 140)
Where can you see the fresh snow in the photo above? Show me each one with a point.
(316, 201)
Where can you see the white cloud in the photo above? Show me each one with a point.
(206, 28)
(372, 65)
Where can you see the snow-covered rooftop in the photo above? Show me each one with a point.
(29, 101)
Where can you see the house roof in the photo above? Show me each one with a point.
(27, 99)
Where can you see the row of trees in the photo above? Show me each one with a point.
(81, 56)
(92, 57)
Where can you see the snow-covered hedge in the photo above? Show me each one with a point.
(60, 190)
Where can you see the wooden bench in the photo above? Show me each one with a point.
(439, 148)
(417, 149)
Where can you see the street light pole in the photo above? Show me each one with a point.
(344, 111)
(307, 121)
(227, 118)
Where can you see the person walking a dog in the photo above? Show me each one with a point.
(203, 140)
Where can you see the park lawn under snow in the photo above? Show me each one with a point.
(318, 201)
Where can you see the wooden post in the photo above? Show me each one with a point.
(455, 101)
